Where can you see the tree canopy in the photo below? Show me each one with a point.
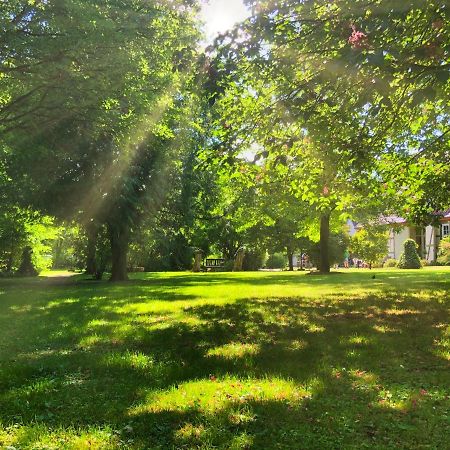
(306, 114)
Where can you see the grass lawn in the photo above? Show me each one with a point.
(225, 360)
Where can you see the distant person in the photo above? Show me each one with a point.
(346, 258)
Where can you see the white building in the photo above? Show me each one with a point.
(427, 238)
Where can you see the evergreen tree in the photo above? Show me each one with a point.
(409, 259)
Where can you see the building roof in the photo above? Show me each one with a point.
(446, 215)
(391, 220)
(396, 220)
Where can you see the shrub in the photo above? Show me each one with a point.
(391, 262)
(27, 268)
(276, 261)
(228, 266)
(424, 262)
(444, 251)
(253, 259)
(409, 259)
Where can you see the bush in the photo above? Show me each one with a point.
(409, 259)
(27, 268)
(391, 262)
(424, 262)
(253, 259)
(444, 251)
(276, 261)
(228, 266)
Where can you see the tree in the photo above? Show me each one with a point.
(370, 244)
(444, 251)
(409, 259)
(332, 90)
(21, 229)
(27, 268)
(93, 105)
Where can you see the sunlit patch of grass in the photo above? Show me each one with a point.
(58, 303)
(234, 350)
(385, 329)
(297, 344)
(89, 341)
(214, 394)
(442, 344)
(190, 433)
(401, 312)
(227, 360)
(98, 323)
(135, 360)
(358, 340)
(37, 436)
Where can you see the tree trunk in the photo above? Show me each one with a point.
(119, 239)
(238, 260)
(324, 242)
(290, 256)
(92, 233)
(198, 254)
(10, 262)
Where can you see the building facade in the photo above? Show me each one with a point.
(427, 238)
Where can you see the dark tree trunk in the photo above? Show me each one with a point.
(324, 243)
(290, 256)
(91, 266)
(119, 239)
(10, 262)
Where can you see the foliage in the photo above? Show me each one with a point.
(276, 261)
(254, 259)
(444, 251)
(409, 259)
(91, 107)
(338, 243)
(369, 244)
(295, 92)
(391, 262)
(102, 254)
(21, 228)
(69, 249)
(27, 268)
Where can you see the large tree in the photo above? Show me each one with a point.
(94, 94)
(328, 90)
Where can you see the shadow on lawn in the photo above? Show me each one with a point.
(73, 359)
(405, 280)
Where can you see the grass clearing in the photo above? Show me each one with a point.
(227, 360)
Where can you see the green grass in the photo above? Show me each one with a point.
(222, 360)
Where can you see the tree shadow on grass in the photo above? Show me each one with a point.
(257, 373)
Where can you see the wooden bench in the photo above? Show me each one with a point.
(214, 263)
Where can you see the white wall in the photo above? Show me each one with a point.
(397, 237)
(430, 243)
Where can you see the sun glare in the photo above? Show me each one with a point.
(220, 15)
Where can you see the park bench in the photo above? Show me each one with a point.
(214, 263)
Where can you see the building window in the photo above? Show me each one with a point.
(445, 230)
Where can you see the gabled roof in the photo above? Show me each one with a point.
(396, 220)
(446, 214)
(391, 220)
